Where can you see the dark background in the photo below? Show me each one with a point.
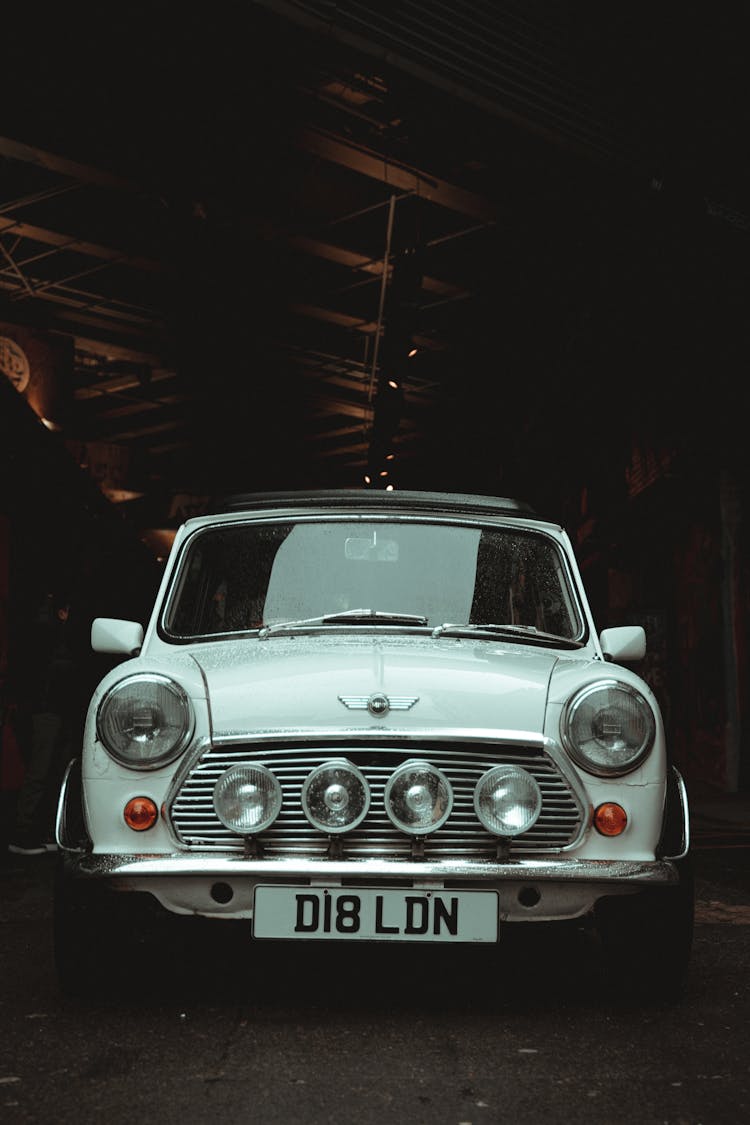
(570, 256)
(607, 296)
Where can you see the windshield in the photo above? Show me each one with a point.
(245, 576)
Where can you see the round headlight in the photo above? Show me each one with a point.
(507, 800)
(145, 721)
(608, 728)
(335, 796)
(418, 798)
(247, 799)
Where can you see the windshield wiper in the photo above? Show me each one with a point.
(358, 616)
(378, 616)
(529, 632)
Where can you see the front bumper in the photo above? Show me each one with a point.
(529, 890)
(223, 885)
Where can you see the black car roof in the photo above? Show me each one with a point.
(374, 499)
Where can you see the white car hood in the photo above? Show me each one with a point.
(324, 682)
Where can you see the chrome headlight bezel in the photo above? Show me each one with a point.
(150, 684)
(576, 714)
(271, 811)
(344, 765)
(418, 766)
(500, 773)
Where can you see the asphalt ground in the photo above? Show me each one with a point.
(526, 1032)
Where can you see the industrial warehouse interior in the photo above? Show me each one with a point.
(343, 804)
(488, 248)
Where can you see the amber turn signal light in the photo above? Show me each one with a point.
(140, 813)
(610, 819)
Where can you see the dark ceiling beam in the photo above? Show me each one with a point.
(357, 387)
(143, 431)
(84, 173)
(360, 448)
(72, 299)
(331, 316)
(75, 307)
(324, 363)
(38, 197)
(329, 405)
(78, 245)
(333, 435)
(136, 406)
(353, 260)
(329, 29)
(108, 349)
(395, 175)
(108, 386)
(24, 286)
(353, 323)
(327, 360)
(329, 379)
(355, 457)
(73, 317)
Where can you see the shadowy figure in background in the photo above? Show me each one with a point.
(48, 721)
(55, 669)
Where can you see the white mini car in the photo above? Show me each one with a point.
(366, 716)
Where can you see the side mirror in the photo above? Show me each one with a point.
(624, 644)
(108, 634)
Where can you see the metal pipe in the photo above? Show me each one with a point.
(383, 287)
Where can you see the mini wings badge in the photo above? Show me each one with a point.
(379, 703)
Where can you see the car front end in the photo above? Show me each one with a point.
(413, 734)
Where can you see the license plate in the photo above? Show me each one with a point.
(369, 914)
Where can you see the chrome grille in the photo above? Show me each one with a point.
(196, 825)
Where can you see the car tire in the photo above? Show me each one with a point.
(101, 945)
(81, 933)
(647, 939)
(112, 945)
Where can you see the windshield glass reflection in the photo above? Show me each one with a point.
(241, 577)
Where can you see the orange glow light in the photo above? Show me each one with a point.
(610, 819)
(140, 813)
